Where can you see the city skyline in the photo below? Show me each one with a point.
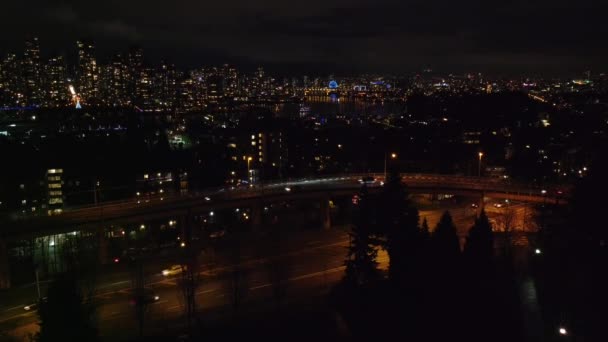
(329, 37)
(129, 79)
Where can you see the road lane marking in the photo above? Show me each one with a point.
(16, 307)
(113, 284)
(207, 291)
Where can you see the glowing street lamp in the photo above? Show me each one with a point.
(479, 164)
(563, 331)
(249, 159)
(393, 156)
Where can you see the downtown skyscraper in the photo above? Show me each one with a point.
(87, 73)
(31, 72)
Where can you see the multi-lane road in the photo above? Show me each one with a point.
(313, 261)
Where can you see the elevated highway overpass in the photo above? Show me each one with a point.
(136, 209)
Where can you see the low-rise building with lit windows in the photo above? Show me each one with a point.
(54, 182)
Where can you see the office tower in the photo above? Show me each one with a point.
(11, 84)
(165, 86)
(87, 73)
(31, 72)
(56, 93)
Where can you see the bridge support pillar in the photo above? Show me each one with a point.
(481, 202)
(102, 241)
(5, 274)
(256, 216)
(325, 213)
(434, 197)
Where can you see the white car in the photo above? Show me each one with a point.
(174, 270)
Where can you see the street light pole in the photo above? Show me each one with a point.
(393, 156)
(95, 185)
(38, 283)
(385, 155)
(479, 164)
(248, 170)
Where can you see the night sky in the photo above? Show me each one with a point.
(326, 35)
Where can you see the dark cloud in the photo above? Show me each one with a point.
(358, 35)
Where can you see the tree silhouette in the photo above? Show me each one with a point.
(66, 315)
(138, 281)
(445, 240)
(399, 223)
(479, 247)
(425, 233)
(278, 267)
(190, 278)
(361, 260)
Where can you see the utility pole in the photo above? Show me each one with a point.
(37, 283)
(95, 185)
(393, 156)
(385, 166)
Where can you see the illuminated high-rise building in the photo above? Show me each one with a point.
(113, 83)
(230, 81)
(165, 86)
(215, 89)
(135, 65)
(87, 72)
(11, 85)
(144, 89)
(56, 92)
(31, 72)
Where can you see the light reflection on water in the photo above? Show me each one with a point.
(332, 106)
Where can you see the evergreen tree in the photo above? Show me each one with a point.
(66, 315)
(361, 265)
(399, 223)
(425, 233)
(445, 240)
(479, 247)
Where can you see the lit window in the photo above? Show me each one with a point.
(253, 143)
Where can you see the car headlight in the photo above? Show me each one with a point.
(156, 298)
(165, 272)
(26, 308)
